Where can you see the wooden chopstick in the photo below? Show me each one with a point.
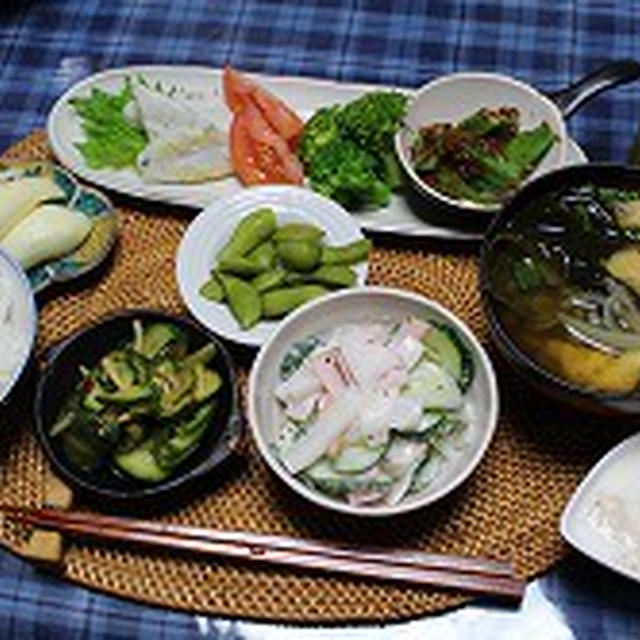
(475, 575)
(284, 543)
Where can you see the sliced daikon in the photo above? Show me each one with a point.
(19, 197)
(321, 433)
(49, 232)
(299, 386)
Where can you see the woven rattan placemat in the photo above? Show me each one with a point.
(508, 509)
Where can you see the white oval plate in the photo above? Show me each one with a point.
(405, 215)
(602, 519)
(207, 234)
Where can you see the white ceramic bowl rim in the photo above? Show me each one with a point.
(208, 231)
(32, 317)
(403, 507)
(465, 76)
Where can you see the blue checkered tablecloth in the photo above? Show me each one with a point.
(547, 43)
(46, 45)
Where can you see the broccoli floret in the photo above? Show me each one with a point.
(348, 150)
(321, 129)
(389, 169)
(346, 173)
(372, 120)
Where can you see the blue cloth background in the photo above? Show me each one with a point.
(405, 42)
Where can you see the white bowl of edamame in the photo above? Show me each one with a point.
(249, 259)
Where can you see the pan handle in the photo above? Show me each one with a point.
(609, 75)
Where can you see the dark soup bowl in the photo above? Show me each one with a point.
(137, 406)
(560, 275)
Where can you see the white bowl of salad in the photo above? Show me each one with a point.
(372, 401)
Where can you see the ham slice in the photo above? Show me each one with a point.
(332, 370)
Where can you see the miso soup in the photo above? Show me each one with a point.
(566, 274)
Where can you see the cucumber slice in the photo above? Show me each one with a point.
(141, 463)
(357, 458)
(432, 422)
(325, 478)
(403, 484)
(401, 456)
(296, 355)
(426, 472)
(434, 386)
(453, 439)
(287, 434)
(430, 419)
(445, 347)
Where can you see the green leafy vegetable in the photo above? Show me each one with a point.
(372, 120)
(111, 141)
(320, 130)
(346, 173)
(348, 150)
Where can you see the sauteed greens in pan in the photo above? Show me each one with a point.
(144, 408)
(483, 158)
(567, 272)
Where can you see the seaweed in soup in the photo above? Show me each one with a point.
(565, 269)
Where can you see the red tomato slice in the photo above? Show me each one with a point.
(243, 156)
(239, 90)
(283, 119)
(258, 154)
(236, 87)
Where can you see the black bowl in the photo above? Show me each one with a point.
(61, 375)
(605, 175)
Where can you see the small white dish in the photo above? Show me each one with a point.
(453, 97)
(367, 305)
(602, 518)
(23, 312)
(209, 231)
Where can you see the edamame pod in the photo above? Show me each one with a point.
(244, 300)
(298, 231)
(264, 254)
(212, 289)
(332, 275)
(278, 302)
(346, 254)
(255, 228)
(269, 280)
(299, 255)
(241, 266)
